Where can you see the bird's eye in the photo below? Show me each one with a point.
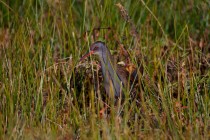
(96, 48)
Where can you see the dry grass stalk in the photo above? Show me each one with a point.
(127, 18)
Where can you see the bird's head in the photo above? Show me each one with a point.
(98, 48)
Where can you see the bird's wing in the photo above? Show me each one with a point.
(122, 74)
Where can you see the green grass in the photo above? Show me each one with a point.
(46, 93)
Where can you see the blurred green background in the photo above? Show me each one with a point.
(46, 93)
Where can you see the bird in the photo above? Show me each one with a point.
(115, 77)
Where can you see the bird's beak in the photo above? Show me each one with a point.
(86, 55)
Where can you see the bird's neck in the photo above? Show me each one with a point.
(109, 72)
(107, 63)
